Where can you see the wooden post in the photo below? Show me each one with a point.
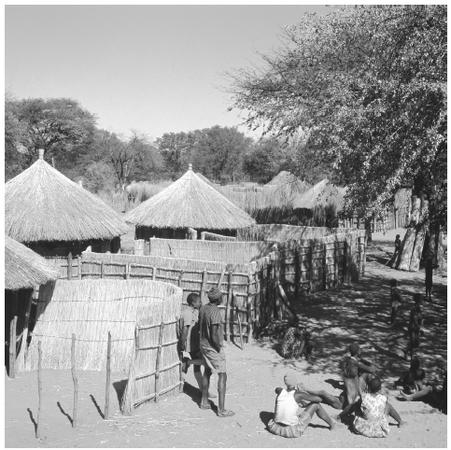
(75, 380)
(39, 417)
(102, 270)
(249, 309)
(127, 271)
(157, 366)
(179, 281)
(324, 258)
(221, 277)
(69, 266)
(12, 347)
(240, 328)
(202, 288)
(336, 262)
(79, 267)
(228, 303)
(182, 381)
(154, 273)
(310, 271)
(106, 413)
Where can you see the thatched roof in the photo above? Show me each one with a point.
(24, 268)
(321, 194)
(283, 177)
(41, 204)
(189, 202)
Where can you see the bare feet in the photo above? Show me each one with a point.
(205, 406)
(226, 413)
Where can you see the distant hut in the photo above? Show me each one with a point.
(55, 216)
(24, 270)
(189, 202)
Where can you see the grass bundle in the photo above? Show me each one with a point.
(24, 268)
(41, 204)
(92, 308)
(189, 202)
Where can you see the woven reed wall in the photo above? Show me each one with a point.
(281, 233)
(92, 308)
(227, 252)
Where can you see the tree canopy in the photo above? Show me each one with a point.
(367, 85)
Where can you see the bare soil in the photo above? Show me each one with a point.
(356, 313)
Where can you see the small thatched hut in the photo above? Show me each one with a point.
(55, 216)
(24, 270)
(189, 202)
(321, 194)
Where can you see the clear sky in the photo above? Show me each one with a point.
(153, 69)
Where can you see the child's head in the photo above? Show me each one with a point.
(354, 349)
(374, 385)
(398, 236)
(215, 296)
(291, 380)
(393, 282)
(194, 300)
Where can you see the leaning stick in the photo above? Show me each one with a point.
(39, 389)
(106, 410)
(75, 380)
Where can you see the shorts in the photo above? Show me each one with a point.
(216, 361)
(290, 431)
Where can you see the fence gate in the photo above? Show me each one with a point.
(155, 369)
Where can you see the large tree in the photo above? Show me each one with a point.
(368, 86)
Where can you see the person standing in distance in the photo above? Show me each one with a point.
(212, 349)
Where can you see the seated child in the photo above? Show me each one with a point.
(296, 343)
(372, 412)
(396, 300)
(290, 420)
(412, 381)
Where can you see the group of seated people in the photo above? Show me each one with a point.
(362, 399)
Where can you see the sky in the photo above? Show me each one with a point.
(153, 69)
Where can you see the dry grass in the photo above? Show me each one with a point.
(41, 204)
(24, 268)
(189, 202)
(92, 308)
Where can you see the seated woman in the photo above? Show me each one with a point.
(372, 411)
(290, 420)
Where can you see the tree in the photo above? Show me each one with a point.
(368, 86)
(219, 151)
(60, 126)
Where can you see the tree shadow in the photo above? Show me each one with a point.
(33, 421)
(119, 387)
(97, 407)
(64, 413)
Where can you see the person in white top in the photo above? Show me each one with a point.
(290, 418)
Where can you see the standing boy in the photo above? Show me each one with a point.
(212, 349)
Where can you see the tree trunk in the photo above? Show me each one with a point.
(420, 237)
(441, 248)
(408, 244)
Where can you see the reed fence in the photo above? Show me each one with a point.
(276, 232)
(92, 308)
(208, 236)
(252, 290)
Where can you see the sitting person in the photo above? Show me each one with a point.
(290, 420)
(372, 411)
(412, 381)
(296, 343)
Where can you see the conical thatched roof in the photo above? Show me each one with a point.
(321, 194)
(189, 202)
(24, 268)
(283, 177)
(41, 204)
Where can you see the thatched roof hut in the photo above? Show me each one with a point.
(189, 202)
(321, 194)
(54, 215)
(25, 269)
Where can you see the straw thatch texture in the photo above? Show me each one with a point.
(280, 232)
(322, 194)
(91, 308)
(189, 202)
(225, 251)
(41, 204)
(24, 268)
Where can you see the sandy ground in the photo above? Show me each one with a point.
(357, 313)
